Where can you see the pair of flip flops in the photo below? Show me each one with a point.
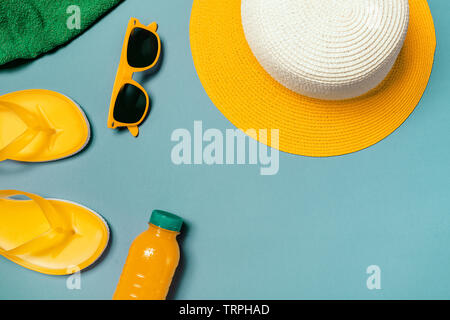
(50, 236)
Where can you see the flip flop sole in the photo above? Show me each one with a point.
(89, 242)
(73, 131)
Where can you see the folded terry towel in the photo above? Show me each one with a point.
(29, 28)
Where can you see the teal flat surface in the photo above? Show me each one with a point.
(308, 232)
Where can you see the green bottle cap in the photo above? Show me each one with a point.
(166, 220)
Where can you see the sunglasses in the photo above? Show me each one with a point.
(129, 101)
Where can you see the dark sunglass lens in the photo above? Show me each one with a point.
(130, 104)
(142, 48)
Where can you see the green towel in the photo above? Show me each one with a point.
(29, 28)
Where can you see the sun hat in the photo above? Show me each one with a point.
(334, 76)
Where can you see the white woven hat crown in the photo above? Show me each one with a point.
(326, 49)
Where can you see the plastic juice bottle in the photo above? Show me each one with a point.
(152, 260)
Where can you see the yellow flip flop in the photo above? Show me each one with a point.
(41, 125)
(50, 236)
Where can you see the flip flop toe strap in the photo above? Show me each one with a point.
(37, 126)
(18, 144)
(59, 232)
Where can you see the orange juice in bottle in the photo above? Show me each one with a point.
(152, 260)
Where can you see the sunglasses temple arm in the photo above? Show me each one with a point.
(153, 26)
(134, 130)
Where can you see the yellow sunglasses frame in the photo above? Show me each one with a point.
(125, 76)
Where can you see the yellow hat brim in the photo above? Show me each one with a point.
(251, 99)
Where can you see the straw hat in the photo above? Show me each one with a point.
(334, 76)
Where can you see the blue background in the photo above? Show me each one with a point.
(308, 232)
